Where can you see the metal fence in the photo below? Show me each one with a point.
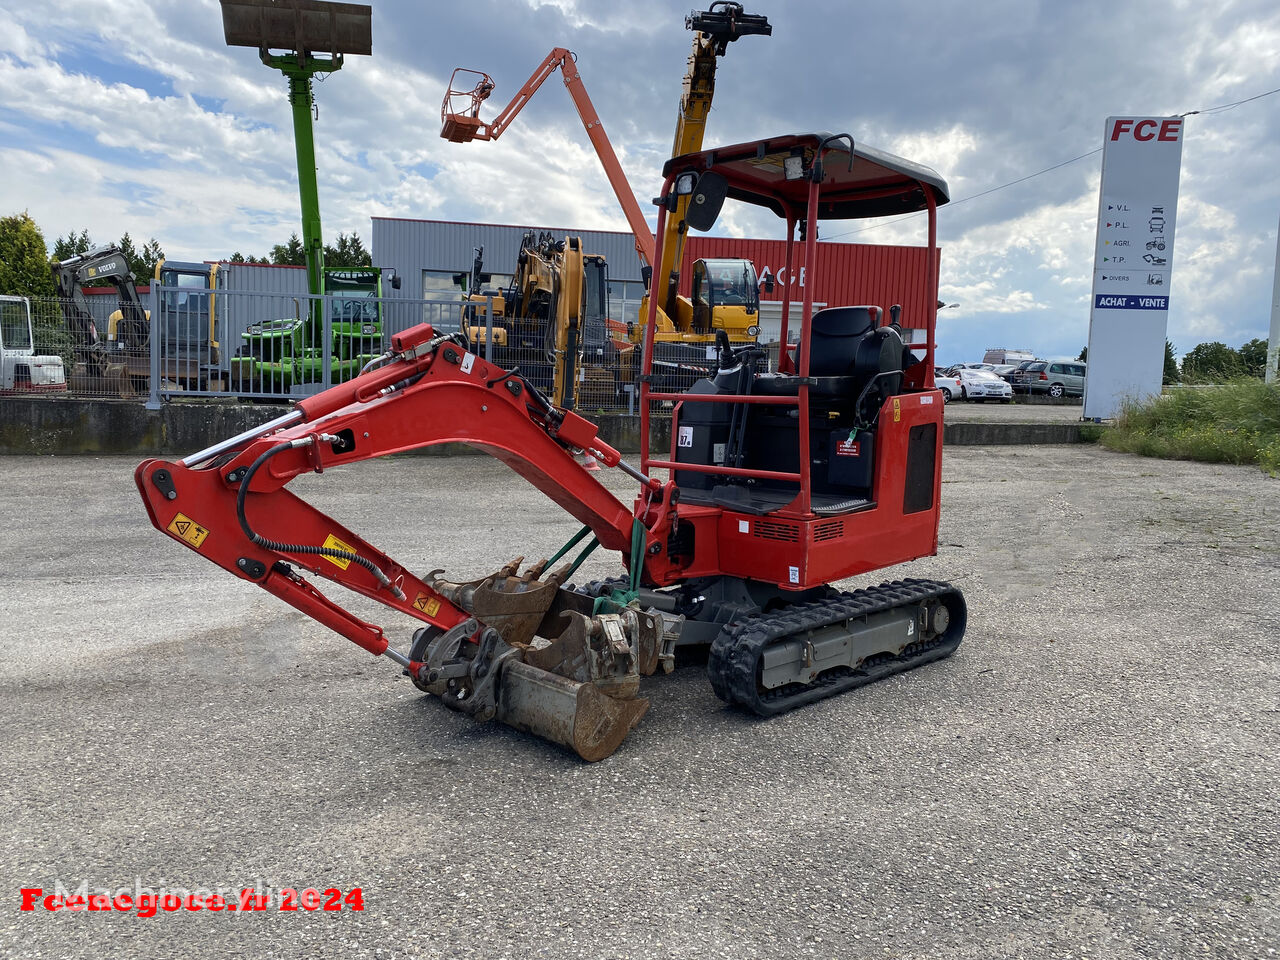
(274, 346)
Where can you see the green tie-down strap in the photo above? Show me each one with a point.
(619, 597)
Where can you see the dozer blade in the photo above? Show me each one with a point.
(102, 379)
(576, 715)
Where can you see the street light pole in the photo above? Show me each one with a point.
(1273, 344)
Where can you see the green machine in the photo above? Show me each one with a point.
(277, 354)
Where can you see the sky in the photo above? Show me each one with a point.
(134, 115)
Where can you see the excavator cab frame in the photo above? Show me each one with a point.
(804, 178)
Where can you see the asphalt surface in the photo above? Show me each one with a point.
(1093, 774)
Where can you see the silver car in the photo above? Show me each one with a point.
(1057, 378)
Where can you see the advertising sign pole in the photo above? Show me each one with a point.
(1133, 260)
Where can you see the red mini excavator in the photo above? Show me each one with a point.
(778, 484)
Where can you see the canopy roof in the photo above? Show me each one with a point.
(874, 184)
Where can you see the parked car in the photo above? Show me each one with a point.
(980, 385)
(1057, 378)
(955, 368)
(1012, 374)
(949, 386)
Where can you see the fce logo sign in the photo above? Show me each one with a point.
(1167, 130)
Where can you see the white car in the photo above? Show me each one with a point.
(950, 386)
(979, 385)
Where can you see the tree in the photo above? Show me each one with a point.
(1211, 362)
(1084, 354)
(290, 253)
(349, 254)
(144, 268)
(1253, 357)
(1170, 365)
(73, 244)
(142, 263)
(24, 258)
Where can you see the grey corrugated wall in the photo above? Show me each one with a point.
(411, 246)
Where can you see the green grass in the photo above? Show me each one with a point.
(1237, 422)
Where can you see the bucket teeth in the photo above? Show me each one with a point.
(512, 605)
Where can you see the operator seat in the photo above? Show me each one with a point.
(851, 353)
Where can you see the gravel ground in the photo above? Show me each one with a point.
(1093, 774)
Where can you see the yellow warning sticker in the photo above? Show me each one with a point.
(897, 409)
(333, 543)
(188, 530)
(428, 605)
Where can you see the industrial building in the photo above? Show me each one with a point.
(434, 257)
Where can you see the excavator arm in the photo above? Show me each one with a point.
(230, 504)
(714, 29)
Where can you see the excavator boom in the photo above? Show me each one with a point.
(714, 29)
(229, 504)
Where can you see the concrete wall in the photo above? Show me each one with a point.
(41, 427)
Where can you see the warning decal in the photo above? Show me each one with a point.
(428, 605)
(188, 530)
(897, 409)
(848, 448)
(333, 543)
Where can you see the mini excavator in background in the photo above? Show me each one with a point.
(552, 322)
(775, 486)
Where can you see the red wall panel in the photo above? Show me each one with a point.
(847, 273)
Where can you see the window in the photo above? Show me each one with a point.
(496, 281)
(624, 300)
(443, 285)
(14, 332)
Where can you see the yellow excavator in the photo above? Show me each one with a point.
(724, 293)
(187, 323)
(552, 322)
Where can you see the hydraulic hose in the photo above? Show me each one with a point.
(300, 548)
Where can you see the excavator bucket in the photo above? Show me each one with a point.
(315, 26)
(564, 672)
(102, 379)
(576, 715)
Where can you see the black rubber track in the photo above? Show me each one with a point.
(734, 662)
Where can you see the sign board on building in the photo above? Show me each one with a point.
(1137, 208)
